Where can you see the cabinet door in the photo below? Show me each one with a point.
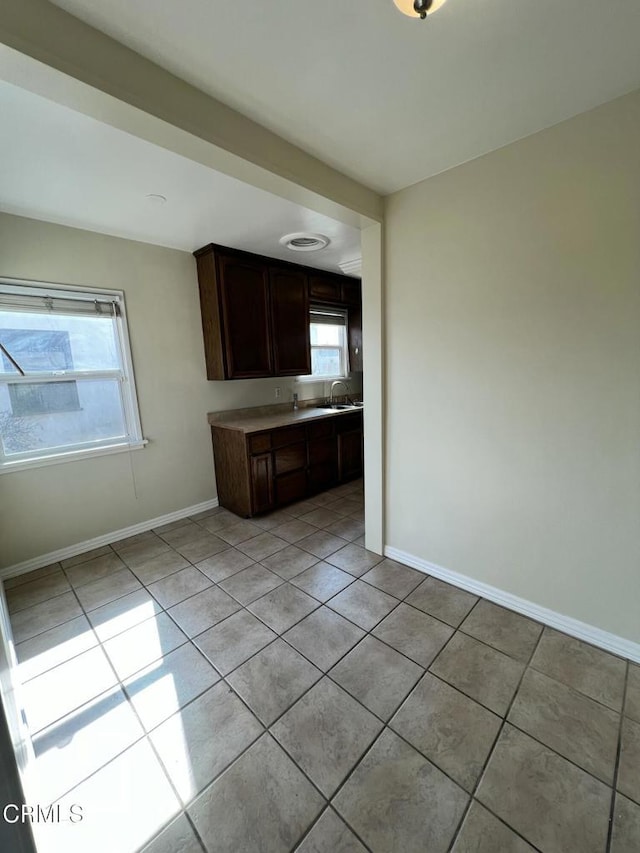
(291, 487)
(350, 455)
(244, 297)
(290, 322)
(323, 463)
(261, 482)
(325, 289)
(355, 337)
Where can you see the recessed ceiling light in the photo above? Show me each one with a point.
(304, 241)
(157, 199)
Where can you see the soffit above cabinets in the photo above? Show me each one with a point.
(60, 166)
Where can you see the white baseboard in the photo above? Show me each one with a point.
(105, 539)
(603, 639)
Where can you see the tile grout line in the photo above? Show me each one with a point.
(490, 755)
(614, 782)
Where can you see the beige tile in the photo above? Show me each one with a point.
(178, 837)
(94, 569)
(179, 532)
(323, 581)
(124, 804)
(143, 644)
(293, 530)
(201, 547)
(503, 629)
(196, 744)
(354, 559)
(324, 637)
(123, 613)
(77, 745)
(262, 546)
(445, 602)
(165, 686)
(320, 517)
(481, 832)
(27, 577)
(221, 519)
(397, 800)
(86, 555)
(224, 564)
(589, 670)
(262, 803)
(632, 705)
(250, 583)
(363, 604)
(481, 672)
(231, 642)
(271, 681)
(233, 534)
(136, 539)
(143, 550)
(176, 525)
(626, 826)
(57, 692)
(203, 610)
(393, 578)
(178, 586)
(97, 593)
(281, 608)
(376, 675)
(160, 566)
(449, 729)
(552, 803)
(54, 646)
(415, 634)
(629, 770)
(326, 732)
(271, 520)
(41, 617)
(346, 505)
(37, 591)
(568, 722)
(330, 835)
(321, 544)
(347, 528)
(289, 562)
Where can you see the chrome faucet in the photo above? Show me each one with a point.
(333, 385)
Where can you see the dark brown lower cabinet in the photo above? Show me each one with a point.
(261, 471)
(262, 482)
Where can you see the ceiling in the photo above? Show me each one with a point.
(386, 99)
(61, 166)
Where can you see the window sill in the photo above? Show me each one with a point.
(315, 379)
(71, 456)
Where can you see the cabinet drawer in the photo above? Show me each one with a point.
(290, 458)
(260, 443)
(288, 435)
(292, 487)
(352, 292)
(325, 288)
(320, 428)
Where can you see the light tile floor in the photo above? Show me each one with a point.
(228, 686)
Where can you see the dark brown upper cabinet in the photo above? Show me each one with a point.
(255, 315)
(290, 319)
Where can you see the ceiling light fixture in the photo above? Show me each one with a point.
(418, 8)
(157, 199)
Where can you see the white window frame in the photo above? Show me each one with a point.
(128, 395)
(344, 346)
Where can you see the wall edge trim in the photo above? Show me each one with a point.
(105, 539)
(567, 624)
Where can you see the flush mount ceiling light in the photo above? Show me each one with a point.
(304, 241)
(418, 8)
(157, 199)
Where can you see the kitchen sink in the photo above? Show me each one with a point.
(341, 406)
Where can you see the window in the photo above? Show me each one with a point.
(329, 346)
(66, 378)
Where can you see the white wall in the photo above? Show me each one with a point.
(513, 364)
(44, 509)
